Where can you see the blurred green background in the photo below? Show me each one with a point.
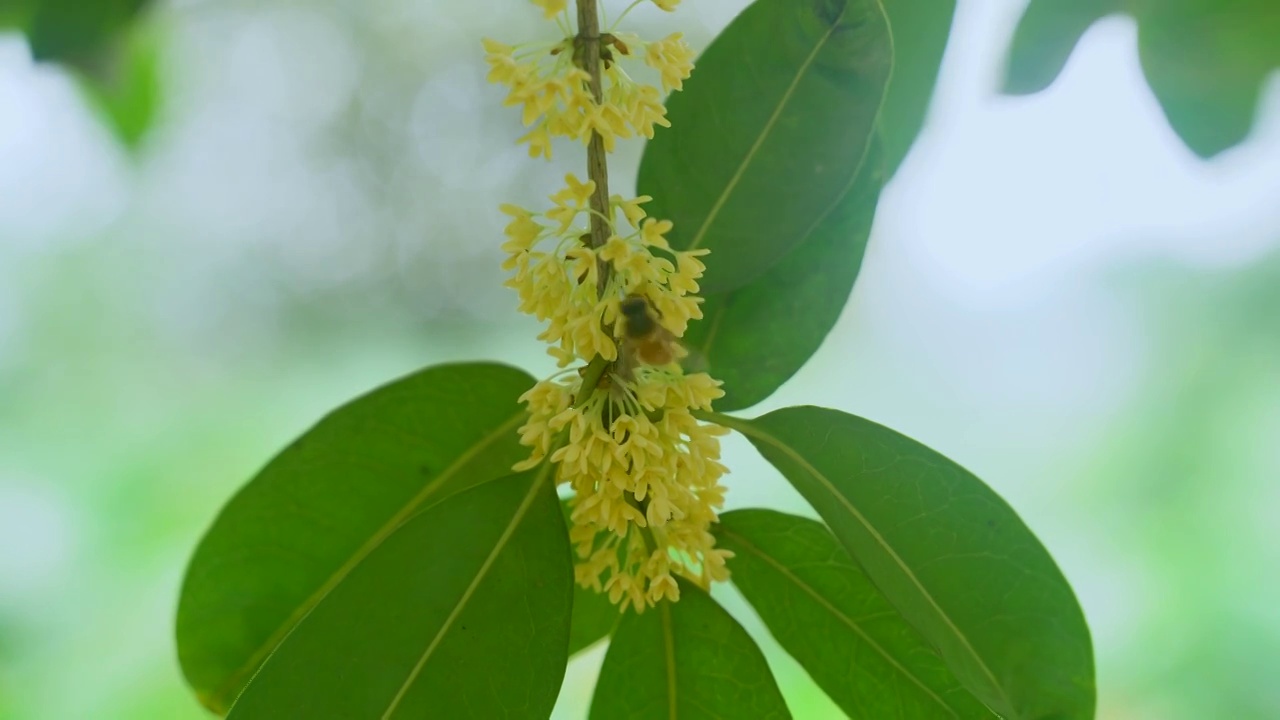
(1058, 295)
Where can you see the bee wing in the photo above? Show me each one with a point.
(692, 359)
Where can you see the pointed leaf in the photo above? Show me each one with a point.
(756, 337)
(688, 659)
(948, 552)
(1046, 36)
(1205, 60)
(776, 119)
(920, 32)
(828, 615)
(463, 612)
(127, 95)
(295, 532)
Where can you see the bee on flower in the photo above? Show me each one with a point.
(618, 422)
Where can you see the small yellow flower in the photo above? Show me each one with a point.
(631, 208)
(522, 232)
(668, 5)
(551, 8)
(652, 232)
(673, 58)
(570, 201)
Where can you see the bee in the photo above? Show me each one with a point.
(646, 340)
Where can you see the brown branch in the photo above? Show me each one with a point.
(587, 53)
(588, 48)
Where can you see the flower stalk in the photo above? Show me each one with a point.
(615, 298)
(588, 42)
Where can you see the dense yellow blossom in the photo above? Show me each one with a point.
(638, 463)
(556, 273)
(554, 93)
(644, 472)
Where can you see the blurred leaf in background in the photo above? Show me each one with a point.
(1206, 60)
(106, 45)
(1180, 482)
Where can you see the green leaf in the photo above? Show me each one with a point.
(594, 617)
(688, 659)
(948, 552)
(756, 337)
(110, 52)
(16, 13)
(828, 615)
(463, 612)
(1205, 60)
(78, 32)
(920, 32)
(777, 117)
(128, 98)
(295, 532)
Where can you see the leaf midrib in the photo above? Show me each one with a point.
(752, 431)
(516, 518)
(764, 133)
(255, 660)
(723, 308)
(834, 611)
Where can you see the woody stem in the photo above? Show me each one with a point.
(587, 49)
(588, 43)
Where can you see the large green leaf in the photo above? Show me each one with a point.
(295, 532)
(920, 32)
(948, 552)
(756, 337)
(16, 13)
(688, 659)
(463, 612)
(1206, 60)
(594, 617)
(829, 616)
(776, 119)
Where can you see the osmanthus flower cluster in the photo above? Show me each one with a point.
(547, 81)
(618, 422)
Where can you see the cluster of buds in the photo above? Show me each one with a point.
(618, 421)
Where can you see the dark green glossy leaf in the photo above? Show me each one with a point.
(920, 32)
(948, 552)
(756, 337)
(78, 32)
(295, 532)
(462, 612)
(828, 615)
(1206, 60)
(688, 660)
(777, 117)
(594, 617)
